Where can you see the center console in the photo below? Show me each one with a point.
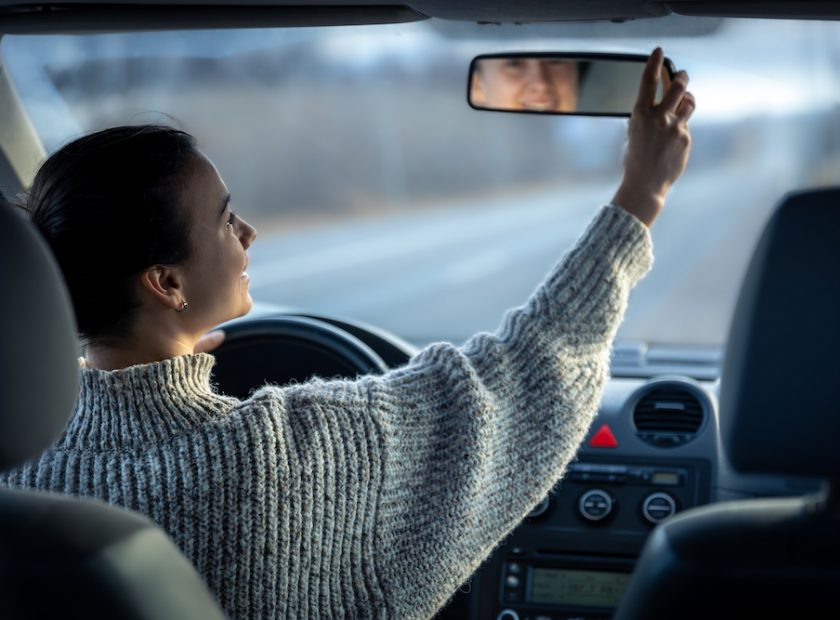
(572, 556)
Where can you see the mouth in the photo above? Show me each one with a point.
(245, 275)
(540, 105)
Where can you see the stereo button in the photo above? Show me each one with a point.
(658, 507)
(595, 505)
(513, 596)
(540, 508)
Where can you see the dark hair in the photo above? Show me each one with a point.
(107, 205)
(583, 69)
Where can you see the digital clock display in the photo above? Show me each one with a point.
(666, 477)
(577, 587)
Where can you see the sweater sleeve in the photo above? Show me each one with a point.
(475, 436)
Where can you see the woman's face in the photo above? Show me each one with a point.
(215, 281)
(539, 84)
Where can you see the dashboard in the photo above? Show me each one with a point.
(651, 452)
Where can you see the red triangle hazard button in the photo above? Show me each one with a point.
(603, 438)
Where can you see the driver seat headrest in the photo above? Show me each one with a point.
(39, 370)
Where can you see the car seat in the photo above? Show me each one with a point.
(767, 557)
(64, 556)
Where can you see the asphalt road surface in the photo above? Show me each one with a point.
(447, 272)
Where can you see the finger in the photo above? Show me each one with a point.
(672, 98)
(210, 341)
(686, 108)
(664, 80)
(650, 79)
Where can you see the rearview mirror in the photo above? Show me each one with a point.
(583, 84)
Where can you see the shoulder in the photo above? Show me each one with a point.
(315, 394)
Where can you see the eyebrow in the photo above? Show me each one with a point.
(225, 204)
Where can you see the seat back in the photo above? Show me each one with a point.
(779, 415)
(63, 556)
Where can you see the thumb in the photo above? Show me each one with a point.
(209, 341)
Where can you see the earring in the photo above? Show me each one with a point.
(184, 305)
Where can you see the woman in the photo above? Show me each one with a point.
(367, 498)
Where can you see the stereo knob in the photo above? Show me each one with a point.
(507, 614)
(595, 505)
(658, 507)
(540, 508)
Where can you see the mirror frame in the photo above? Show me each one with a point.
(667, 64)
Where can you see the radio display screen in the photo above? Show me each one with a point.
(666, 477)
(577, 587)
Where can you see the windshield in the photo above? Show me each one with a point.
(379, 195)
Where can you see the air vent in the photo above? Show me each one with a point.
(668, 416)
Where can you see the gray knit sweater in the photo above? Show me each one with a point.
(373, 498)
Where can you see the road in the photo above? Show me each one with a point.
(446, 272)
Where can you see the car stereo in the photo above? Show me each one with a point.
(541, 586)
(571, 558)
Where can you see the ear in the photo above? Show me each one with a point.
(164, 285)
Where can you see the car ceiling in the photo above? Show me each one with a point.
(94, 15)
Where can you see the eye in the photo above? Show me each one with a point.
(561, 66)
(231, 218)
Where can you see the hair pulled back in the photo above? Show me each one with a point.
(108, 206)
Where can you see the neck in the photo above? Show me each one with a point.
(143, 349)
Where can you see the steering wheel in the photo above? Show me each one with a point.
(280, 349)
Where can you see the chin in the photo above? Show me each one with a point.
(247, 306)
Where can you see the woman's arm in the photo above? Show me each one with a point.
(397, 487)
(475, 436)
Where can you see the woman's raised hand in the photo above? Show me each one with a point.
(658, 142)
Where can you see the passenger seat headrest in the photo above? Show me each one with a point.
(39, 370)
(780, 394)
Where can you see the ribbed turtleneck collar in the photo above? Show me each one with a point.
(144, 404)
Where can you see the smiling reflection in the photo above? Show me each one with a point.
(517, 83)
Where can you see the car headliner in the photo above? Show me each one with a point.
(94, 15)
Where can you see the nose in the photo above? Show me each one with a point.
(247, 234)
(538, 76)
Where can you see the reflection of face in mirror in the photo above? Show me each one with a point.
(538, 84)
